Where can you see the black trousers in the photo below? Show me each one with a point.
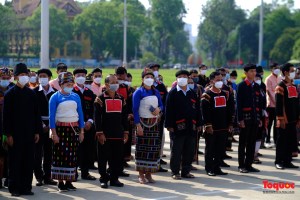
(20, 166)
(182, 152)
(272, 120)
(246, 147)
(43, 158)
(285, 141)
(111, 151)
(214, 150)
(229, 140)
(86, 151)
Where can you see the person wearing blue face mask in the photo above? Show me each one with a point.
(5, 84)
(67, 130)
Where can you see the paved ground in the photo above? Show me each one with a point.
(232, 186)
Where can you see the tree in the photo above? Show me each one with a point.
(296, 50)
(220, 19)
(283, 48)
(74, 48)
(60, 30)
(166, 18)
(102, 21)
(6, 27)
(274, 25)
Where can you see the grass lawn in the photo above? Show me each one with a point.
(168, 74)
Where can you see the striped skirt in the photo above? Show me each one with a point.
(64, 157)
(147, 154)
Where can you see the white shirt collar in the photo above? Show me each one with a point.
(46, 92)
(179, 89)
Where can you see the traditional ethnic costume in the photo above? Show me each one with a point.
(148, 146)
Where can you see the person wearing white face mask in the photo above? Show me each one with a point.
(183, 120)
(147, 108)
(87, 98)
(66, 120)
(97, 78)
(21, 126)
(216, 106)
(43, 150)
(33, 82)
(112, 132)
(271, 82)
(60, 68)
(287, 114)
(250, 110)
(163, 93)
(203, 80)
(124, 90)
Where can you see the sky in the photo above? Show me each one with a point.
(194, 7)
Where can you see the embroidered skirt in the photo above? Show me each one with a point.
(147, 154)
(64, 157)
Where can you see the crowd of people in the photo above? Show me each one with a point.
(53, 128)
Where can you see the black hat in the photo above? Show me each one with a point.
(182, 72)
(45, 71)
(258, 75)
(60, 66)
(221, 69)
(97, 70)
(151, 65)
(20, 68)
(259, 69)
(79, 70)
(202, 65)
(193, 71)
(249, 66)
(121, 70)
(233, 73)
(147, 71)
(89, 78)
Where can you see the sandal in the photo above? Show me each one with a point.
(176, 177)
(149, 178)
(188, 176)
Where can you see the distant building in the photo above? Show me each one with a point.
(192, 39)
(24, 40)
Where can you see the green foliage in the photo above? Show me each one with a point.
(60, 27)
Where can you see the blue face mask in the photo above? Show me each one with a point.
(191, 86)
(196, 79)
(4, 83)
(68, 89)
(297, 81)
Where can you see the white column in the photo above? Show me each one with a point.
(125, 35)
(44, 58)
(261, 33)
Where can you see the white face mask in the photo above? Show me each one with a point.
(276, 71)
(88, 86)
(203, 72)
(43, 81)
(128, 83)
(292, 75)
(121, 82)
(149, 81)
(23, 80)
(80, 80)
(182, 81)
(32, 79)
(156, 73)
(97, 80)
(219, 84)
(233, 80)
(12, 79)
(258, 82)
